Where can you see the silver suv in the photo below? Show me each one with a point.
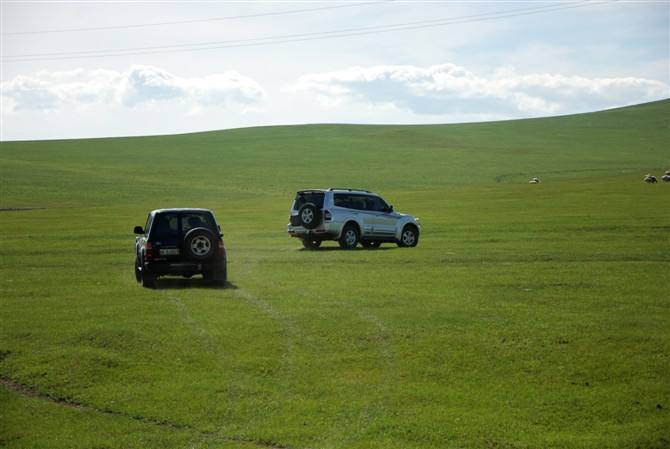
(350, 217)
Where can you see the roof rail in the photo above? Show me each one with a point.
(350, 190)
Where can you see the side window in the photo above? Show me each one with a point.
(357, 202)
(374, 203)
(147, 225)
(350, 201)
(165, 227)
(341, 200)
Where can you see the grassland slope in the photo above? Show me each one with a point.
(529, 316)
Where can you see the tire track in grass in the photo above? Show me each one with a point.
(243, 268)
(387, 357)
(390, 371)
(287, 367)
(20, 209)
(203, 335)
(289, 328)
(295, 334)
(208, 343)
(26, 390)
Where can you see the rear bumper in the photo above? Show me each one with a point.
(184, 268)
(316, 234)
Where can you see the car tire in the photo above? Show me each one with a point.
(309, 215)
(199, 244)
(311, 244)
(138, 270)
(409, 237)
(148, 279)
(371, 244)
(349, 237)
(218, 274)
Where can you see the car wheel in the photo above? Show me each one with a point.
(148, 279)
(311, 244)
(409, 237)
(217, 274)
(221, 276)
(310, 216)
(199, 244)
(350, 237)
(138, 271)
(371, 244)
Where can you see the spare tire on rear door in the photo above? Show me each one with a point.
(310, 216)
(199, 244)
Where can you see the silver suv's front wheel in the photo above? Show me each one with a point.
(409, 237)
(350, 237)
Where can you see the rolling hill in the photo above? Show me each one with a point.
(528, 316)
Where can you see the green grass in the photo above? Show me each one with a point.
(529, 316)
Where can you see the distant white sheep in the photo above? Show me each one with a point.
(650, 179)
(666, 177)
(534, 181)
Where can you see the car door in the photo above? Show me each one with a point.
(166, 237)
(351, 205)
(383, 219)
(359, 204)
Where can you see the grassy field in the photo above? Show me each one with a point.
(529, 316)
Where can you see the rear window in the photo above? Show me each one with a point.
(302, 198)
(165, 227)
(192, 220)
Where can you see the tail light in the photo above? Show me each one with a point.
(222, 248)
(327, 216)
(148, 251)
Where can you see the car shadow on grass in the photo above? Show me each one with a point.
(337, 248)
(182, 283)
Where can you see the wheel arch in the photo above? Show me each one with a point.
(406, 222)
(348, 222)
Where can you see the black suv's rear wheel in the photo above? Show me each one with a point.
(138, 270)
(199, 244)
(311, 244)
(350, 237)
(218, 274)
(310, 216)
(148, 279)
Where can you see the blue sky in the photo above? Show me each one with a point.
(573, 57)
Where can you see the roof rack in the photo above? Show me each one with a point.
(350, 190)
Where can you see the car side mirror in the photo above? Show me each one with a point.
(389, 209)
(138, 230)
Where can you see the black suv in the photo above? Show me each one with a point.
(179, 242)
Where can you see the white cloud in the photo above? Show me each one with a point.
(51, 91)
(450, 89)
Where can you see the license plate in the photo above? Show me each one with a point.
(170, 252)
